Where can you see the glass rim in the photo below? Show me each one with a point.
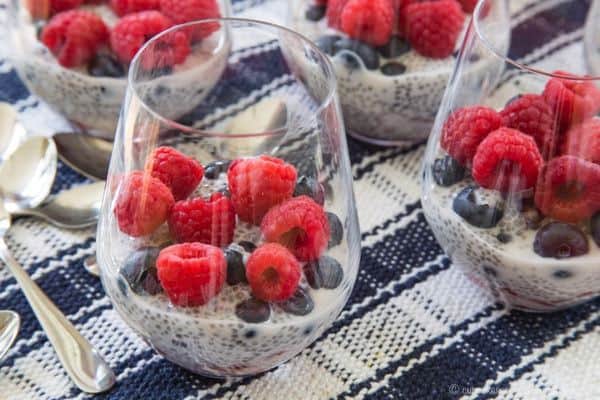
(329, 97)
(475, 20)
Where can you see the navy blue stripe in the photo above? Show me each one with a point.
(11, 88)
(369, 167)
(410, 208)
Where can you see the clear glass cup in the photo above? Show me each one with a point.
(90, 102)
(511, 178)
(268, 131)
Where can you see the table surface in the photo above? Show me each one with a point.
(415, 326)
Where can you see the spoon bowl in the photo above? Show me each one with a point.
(10, 323)
(86, 154)
(11, 130)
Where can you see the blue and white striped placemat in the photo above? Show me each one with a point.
(415, 327)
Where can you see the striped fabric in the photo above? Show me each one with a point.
(415, 327)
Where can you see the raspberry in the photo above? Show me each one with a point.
(181, 11)
(300, 224)
(531, 114)
(180, 173)
(57, 6)
(257, 184)
(273, 273)
(432, 27)
(209, 221)
(572, 101)
(466, 128)
(583, 141)
(569, 189)
(191, 273)
(507, 160)
(74, 36)
(334, 13)
(468, 6)
(122, 7)
(371, 21)
(143, 204)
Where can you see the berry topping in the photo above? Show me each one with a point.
(334, 12)
(310, 187)
(273, 273)
(315, 12)
(479, 215)
(216, 168)
(191, 273)
(371, 21)
(367, 54)
(507, 160)
(74, 36)
(122, 7)
(432, 27)
(466, 128)
(253, 311)
(143, 204)
(299, 224)
(595, 228)
(210, 221)
(531, 115)
(180, 173)
(394, 48)
(324, 273)
(182, 11)
(236, 272)
(447, 171)
(569, 189)
(327, 43)
(258, 184)
(393, 69)
(140, 271)
(560, 240)
(57, 6)
(336, 228)
(105, 65)
(299, 304)
(583, 141)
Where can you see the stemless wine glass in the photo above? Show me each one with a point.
(252, 266)
(511, 182)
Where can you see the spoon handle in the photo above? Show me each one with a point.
(81, 361)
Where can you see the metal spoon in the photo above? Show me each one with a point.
(9, 327)
(25, 183)
(11, 130)
(86, 154)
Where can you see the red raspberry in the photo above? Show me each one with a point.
(569, 189)
(257, 184)
(299, 224)
(191, 273)
(572, 101)
(209, 221)
(466, 128)
(74, 36)
(143, 204)
(583, 141)
(273, 273)
(468, 6)
(432, 27)
(57, 6)
(181, 11)
(180, 173)
(371, 21)
(507, 160)
(122, 7)
(531, 114)
(334, 13)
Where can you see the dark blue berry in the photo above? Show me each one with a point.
(310, 187)
(325, 273)
(248, 246)
(253, 311)
(366, 53)
(327, 43)
(479, 215)
(336, 229)
(595, 228)
(393, 69)
(236, 272)
(394, 48)
(139, 271)
(560, 240)
(215, 168)
(315, 12)
(299, 304)
(562, 274)
(105, 65)
(447, 171)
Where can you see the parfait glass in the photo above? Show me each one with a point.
(511, 176)
(228, 237)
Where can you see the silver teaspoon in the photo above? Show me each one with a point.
(86, 154)
(9, 328)
(24, 184)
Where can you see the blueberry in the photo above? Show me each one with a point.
(325, 273)
(336, 229)
(248, 246)
(327, 43)
(105, 65)
(299, 304)
(479, 215)
(215, 168)
(253, 311)
(394, 48)
(236, 272)
(447, 171)
(595, 227)
(315, 12)
(366, 53)
(393, 69)
(139, 271)
(310, 187)
(560, 240)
